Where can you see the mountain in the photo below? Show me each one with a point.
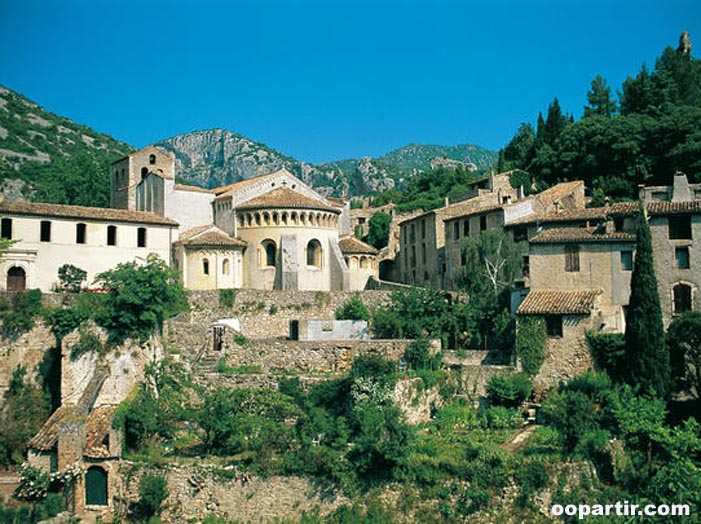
(417, 157)
(216, 157)
(36, 145)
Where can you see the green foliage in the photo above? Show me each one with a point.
(647, 358)
(608, 351)
(500, 417)
(530, 343)
(71, 278)
(378, 229)
(353, 309)
(227, 297)
(19, 317)
(356, 204)
(33, 483)
(684, 341)
(153, 490)
(140, 298)
(509, 390)
(599, 98)
(64, 320)
(88, 342)
(418, 355)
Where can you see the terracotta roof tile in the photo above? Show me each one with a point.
(97, 428)
(558, 191)
(581, 234)
(208, 236)
(674, 208)
(46, 439)
(352, 245)
(558, 302)
(242, 184)
(89, 213)
(194, 189)
(580, 215)
(286, 198)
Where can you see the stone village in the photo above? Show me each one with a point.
(281, 244)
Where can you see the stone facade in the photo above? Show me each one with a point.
(92, 239)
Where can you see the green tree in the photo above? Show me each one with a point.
(153, 490)
(684, 339)
(639, 94)
(647, 356)
(71, 278)
(599, 99)
(139, 298)
(25, 408)
(378, 229)
(353, 309)
(519, 152)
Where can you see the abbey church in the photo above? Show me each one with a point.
(268, 232)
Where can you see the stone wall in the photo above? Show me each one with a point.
(473, 372)
(266, 314)
(333, 330)
(27, 350)
(197, 491)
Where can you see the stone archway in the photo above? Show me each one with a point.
(16, 279)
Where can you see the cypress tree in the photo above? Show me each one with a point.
(646, 351)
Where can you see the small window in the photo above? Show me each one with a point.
(217, 338)
(456, 230)
(269, 253)
(680, 228)
(413, 256)
(627, 260)
(314, 253)
(423, 228)
(152, 159)
(682, 256)
(144, 172)
(483, 222)
(526, 267)
(466, 228)
(553, 325)
(572, 258)
(618, 223)
(520, 234)
(412, 235)
(423, 254)
(45, 231)
(80, 233)
(681, 294)
(205, 266)
(111, 235)
(7, 228)
(225, 267)
(141, 237)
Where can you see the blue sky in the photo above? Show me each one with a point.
(328, 79)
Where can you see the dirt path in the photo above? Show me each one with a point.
(519, 440)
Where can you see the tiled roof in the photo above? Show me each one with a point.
(194, 189)
(242, 184)
(97, 428)
(558, 302)
(558, 191)
(208, 236)
(474, 212)
(479, 204)
(674, 208)
(352, 245)
(90, 213)
(286, 198)
(46, 439)
(581, 234)
(580, 215)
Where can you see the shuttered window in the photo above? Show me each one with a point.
(572, 258)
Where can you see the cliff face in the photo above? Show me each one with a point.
(217, 157)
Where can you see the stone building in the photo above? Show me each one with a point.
(591, 252)
(93, 239)
(362, 261)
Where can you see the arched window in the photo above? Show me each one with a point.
(364, 262)
(314, 253)
(681, 294)
(152, 159)
(225, 267)
(205, 266)
(144, 172)
(269, 253)
(111, 235)
(96, 486)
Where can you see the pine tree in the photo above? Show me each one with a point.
(599, 98)
(646, 351)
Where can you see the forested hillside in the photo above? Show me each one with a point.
(644, 135)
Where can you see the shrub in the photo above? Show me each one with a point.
(153, 490)
(71, 278)
(227, 297)
(418, 355)
(499, 417)
(65, 320)
(530, 343)
(353, 309)
(509, 390)
(20, 317)
(609, 351)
